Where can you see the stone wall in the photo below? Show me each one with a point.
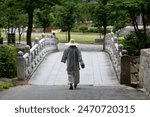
(144, 73)
(134, 66)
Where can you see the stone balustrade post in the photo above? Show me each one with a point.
(21, 68)
(115, 40)
(144, 71)
(120, 48)
(125, 70)
(27, 49)
(36, 40)
(43, 35)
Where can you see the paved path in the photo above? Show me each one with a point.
(98, 80)
(83, 92)
(98, 70)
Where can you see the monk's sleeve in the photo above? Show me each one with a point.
(64, 57)
(80, 58)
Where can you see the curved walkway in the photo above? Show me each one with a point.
(98, 70)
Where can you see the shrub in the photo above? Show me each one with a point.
(134, 44)
(75, 29)
(8, 56)
(93, 30)
(6, 85)
(83, 29)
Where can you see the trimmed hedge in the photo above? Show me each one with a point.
(8, 55)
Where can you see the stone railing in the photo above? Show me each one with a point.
(120, 59)
(144, 72)
(28, 62)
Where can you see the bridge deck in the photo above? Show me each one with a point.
(98, 70)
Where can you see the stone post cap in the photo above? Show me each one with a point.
(49, 35)
(20, 53)
(27, 47)
(124, 52)
(43, 35)
(36, 40)
(120, 46)
(115, 39)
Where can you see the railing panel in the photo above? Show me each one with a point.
(28, 62)
(115, 51)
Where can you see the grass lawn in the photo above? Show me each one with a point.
(79, 37)
(86, 38)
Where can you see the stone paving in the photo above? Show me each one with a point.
(98, 70)
(83, 92)
(98, 80)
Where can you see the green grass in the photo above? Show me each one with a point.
(86, 38)
(5, 85)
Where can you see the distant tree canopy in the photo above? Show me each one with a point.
(66, 13)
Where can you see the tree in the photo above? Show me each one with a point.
(12, 18)
(83, 12)
(44, 18)
(118, 18)
(66, 16)
(101, 16)
(138, 39)
(2, 13)
(21, 23)
(29, 7)
(134, 8)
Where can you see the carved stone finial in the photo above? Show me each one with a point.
(124, 52)
(115, 40)
(43, 35)
(20, 53)
(36, 40)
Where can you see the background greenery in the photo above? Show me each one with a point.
(8, 55)
(87, 38)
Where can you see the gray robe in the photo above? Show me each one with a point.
(73, 57)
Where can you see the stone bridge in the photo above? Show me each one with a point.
(101, 78)
(48, 70)
(41, 64)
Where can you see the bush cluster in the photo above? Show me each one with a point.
(8, 55)
(5, 85)
(133, 43)
(85, 29)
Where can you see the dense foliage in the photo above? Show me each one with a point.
(71, 14)
(8, 61)
(134, 44)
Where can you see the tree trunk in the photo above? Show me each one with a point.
(143, 18)
(44, 29)
(100, 33)
(69, 35)
(30, 24)
(105, 30)
(134, 22)
(19, 31)
(19, 38)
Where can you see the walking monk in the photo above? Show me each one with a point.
(73, 57)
